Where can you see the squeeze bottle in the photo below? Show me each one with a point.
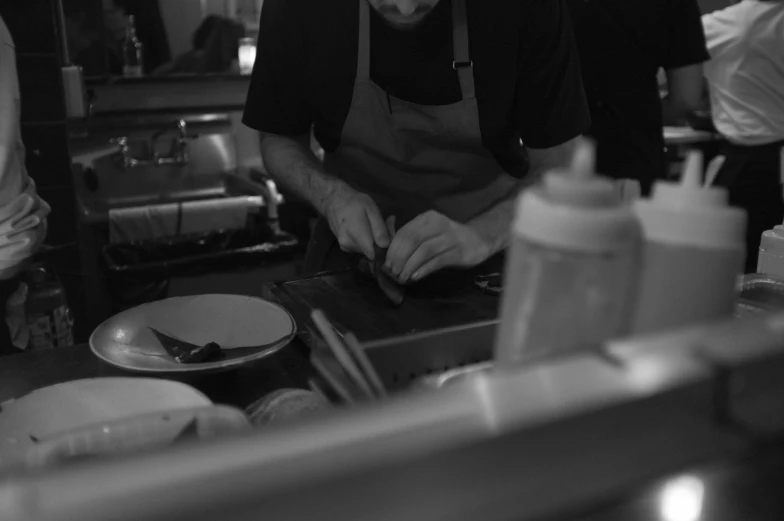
(572, 265)
(693, 254)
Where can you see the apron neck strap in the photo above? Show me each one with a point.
(462, 61)
(462, 64)
(363, 53)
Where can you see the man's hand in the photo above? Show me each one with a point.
(356, 221)
(431, 242)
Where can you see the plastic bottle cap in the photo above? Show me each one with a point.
(773, 240)
(689, 213)
(575, 209)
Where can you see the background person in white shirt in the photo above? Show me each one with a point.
(746, 80)
(22, 212)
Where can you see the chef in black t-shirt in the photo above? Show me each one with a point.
(623, 44)
(421, 107)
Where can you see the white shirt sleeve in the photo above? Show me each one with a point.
(721, 30)
(11, 171)
(22, 212)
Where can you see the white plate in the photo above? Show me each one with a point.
(232, 321)
(136, 433)
(49, 411)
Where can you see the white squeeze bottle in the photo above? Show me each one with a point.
(771, 253)
(694, 252)
(572, 265)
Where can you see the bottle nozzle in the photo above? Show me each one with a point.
(584, 159)
(691, 176)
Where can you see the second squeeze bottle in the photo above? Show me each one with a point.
(694, 251)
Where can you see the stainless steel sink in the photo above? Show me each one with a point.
(110, 184)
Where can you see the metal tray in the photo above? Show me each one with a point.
(403, 361)
(437, 358)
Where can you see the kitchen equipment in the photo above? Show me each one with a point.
(341, 353)
(330, 371)
(286, 405)
(365, 364)
(231, 321)
(202, 252)
(351, 358)
(771, 250)
(572, 269)
(759, 293)
(132, 51)
(561, 440)
(492, 283)
(438, 381)
(355, 304)
(47, 314)
(136, 433)
(47, 412)
(160, 221)
(694, 253)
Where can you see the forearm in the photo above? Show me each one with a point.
(685, 87)
(673, 111)
(292, 164)
(494, 225)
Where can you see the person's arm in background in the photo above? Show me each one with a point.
(551, 113)
(22, 212)
(685, 86)
(277, 107)
(682, 60)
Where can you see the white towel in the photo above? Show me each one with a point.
(22, 212)
(169, 220)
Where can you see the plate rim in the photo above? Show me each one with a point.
(200, 367)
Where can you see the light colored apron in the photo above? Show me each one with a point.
(412, 158)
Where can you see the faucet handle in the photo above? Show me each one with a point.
(125, 150)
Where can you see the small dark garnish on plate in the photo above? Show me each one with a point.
(187, 353)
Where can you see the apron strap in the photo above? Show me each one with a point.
(462, 64)
(363, 52)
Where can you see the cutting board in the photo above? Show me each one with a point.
(353, 302)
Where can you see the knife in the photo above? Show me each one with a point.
(393, 291)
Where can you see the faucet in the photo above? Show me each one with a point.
(125, 149)
(271, 196)
(179, 155)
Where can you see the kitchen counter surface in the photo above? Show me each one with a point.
(25, 372)
(352, 301)
(688, 136)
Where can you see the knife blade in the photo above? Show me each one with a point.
(393, 291)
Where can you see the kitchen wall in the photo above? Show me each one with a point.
(182, 17)
(45, 133)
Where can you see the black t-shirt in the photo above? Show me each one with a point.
(526, 69)
(622, 45)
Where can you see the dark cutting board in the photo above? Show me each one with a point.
(354, 302)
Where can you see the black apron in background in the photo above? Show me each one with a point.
(752, 174)
(619, 76)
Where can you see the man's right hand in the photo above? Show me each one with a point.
(356, 221)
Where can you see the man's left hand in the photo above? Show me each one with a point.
(431, 242)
